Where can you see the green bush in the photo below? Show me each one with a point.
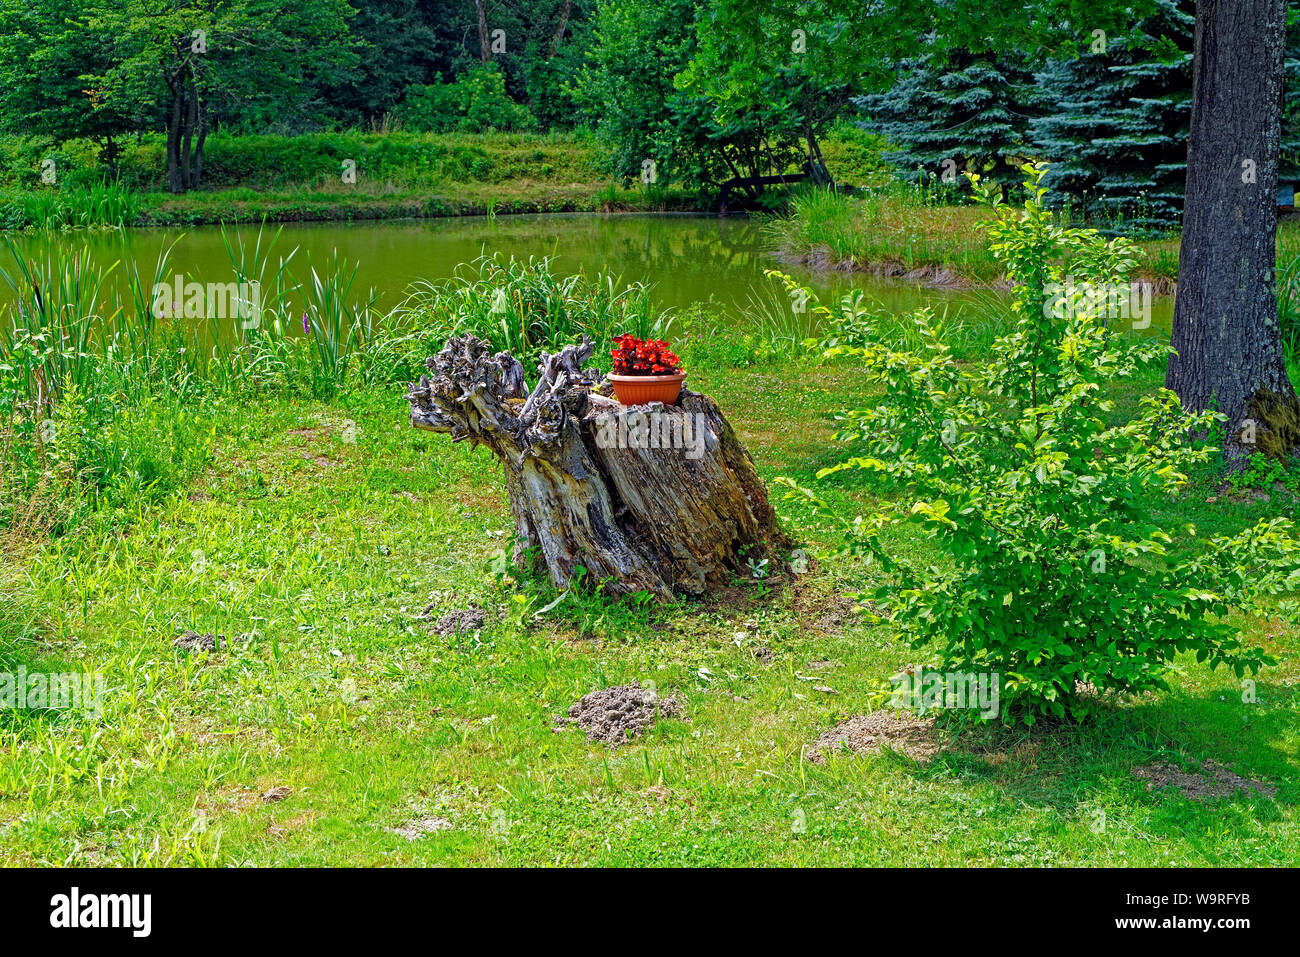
(477, 102)
(1058, 577)
(1267, 474)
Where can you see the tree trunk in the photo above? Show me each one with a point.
(175, 180)
(565, 10)
(187, 134)
(1226, 332)
(484, 46)
(198, 145)
(594, 502)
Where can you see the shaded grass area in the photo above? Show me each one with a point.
(323, 530)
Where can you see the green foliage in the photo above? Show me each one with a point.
(1058, 577)
(946, 116)
(103, 205)
(1267, 474)
(476, 102)
(1115, 129)
(625, 89)
(523, 307)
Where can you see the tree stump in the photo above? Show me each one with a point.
(652, 498)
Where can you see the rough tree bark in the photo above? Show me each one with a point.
(658, 520)
(565, 10)
(175, 178)
(484, 46)
(1226, 333)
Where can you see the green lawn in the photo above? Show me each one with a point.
(328, 550)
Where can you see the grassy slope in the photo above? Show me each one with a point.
(329, 550)
(892, 230)
(284, 178)
(299, 178)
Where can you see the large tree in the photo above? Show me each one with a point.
(104, 68)
(197, 63)
(1226, 334)
(47, 53)
(1114, 127)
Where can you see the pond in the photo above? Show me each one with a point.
(684, 258)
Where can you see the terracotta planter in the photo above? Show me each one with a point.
(640, 389)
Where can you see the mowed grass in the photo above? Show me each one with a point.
(324, 530)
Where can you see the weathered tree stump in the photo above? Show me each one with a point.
(653, 498)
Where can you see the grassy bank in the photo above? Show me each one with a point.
(300, 178)
(249, 178)
(277, 497)
(897, 230)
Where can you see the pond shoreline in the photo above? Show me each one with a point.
(167, 210)
(930, 275)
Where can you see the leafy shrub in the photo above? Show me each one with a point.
(475, 103)
(1263, 472)
(431, 108)
(1058, 577)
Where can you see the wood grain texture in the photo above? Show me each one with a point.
(669, 521)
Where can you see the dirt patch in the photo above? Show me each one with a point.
(869, 733)
(829, 614)
(660, 792)
(193, 641)
(414, 830)
(279, 829)
(233, 799)
(309, 433)
(276, 794)
(616, 715)
(456, 621)
(1212, 781)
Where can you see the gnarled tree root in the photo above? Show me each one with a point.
(654, 498)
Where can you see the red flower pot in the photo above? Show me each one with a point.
(640, 389)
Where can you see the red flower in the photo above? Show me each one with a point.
(644, 357)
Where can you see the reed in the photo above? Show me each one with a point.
(524, 307)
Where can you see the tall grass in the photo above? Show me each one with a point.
(57, 322)
(1288, 306)
(106, 204)
(99, 398)
(525, 308)
(892, 231)
(340, 327)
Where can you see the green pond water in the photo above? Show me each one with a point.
(684, 259)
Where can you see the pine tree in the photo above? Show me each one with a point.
(1117, 124)
(943, 117)
(1290, 166)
